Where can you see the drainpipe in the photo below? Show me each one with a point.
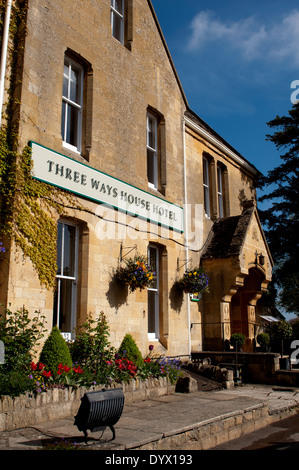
(4, 54)
(186, 235)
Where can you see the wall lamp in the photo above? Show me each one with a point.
(259, 259)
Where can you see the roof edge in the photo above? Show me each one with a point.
(206, 131)
(168, 52)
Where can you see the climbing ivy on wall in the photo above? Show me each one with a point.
(28, 208)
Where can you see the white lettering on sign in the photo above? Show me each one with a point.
(66, 173)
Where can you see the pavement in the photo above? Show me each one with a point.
(144, 423)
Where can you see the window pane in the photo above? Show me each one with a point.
(205, 172)
(151, 297)
(72, 126)
(63, 304)
(74, 85)
(151, 132)
(220, 195)
(152, 261)
(220, 205)
(63, 110)
(65, 82)
(69, 250)
(119, 6)
(151, 171)
(117, 27)
(207, 201)
(219, 174)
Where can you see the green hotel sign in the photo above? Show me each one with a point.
(83, 180)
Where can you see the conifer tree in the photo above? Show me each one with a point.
(281, 219)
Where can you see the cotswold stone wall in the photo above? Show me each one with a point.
(256, 367)
(204, 367)
(29, 409)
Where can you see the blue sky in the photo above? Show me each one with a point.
(236, 62)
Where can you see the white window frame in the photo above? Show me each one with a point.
(120, 15)
(73, 278)
(155, 335)
(69, 103)
(220, 191)
(152, 150)
(206, 187)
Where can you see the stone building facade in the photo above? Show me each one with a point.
(102, 107)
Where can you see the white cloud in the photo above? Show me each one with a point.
(248, 37)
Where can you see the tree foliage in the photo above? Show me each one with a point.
(281, 220)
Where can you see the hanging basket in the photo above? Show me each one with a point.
(137, 274)
(194, 281)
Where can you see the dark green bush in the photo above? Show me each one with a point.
(55, 351)
(14, 383)
(91, 347)
(20, 335)
(130, 351)
(264, 340)
(281, 336)
(237, 340)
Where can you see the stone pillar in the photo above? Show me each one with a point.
(225, 320)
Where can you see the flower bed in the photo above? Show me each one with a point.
(32, 391)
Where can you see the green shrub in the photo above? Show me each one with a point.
(237, 340)
(55, 351)
(130, 351)
(263, 339)
(14, 383)
(20, 335)
(281, 335)
(91, 347)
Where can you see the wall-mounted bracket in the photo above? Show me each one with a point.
(178, 267)
(122, 255)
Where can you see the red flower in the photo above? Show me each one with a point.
(33, 366)
(41, 366)
(62, 368)
(47, 374)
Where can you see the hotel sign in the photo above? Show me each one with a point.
(83, 180)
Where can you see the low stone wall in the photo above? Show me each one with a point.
(287, 378)
(215, 431)
(219, 374)
(29, 409)
(256, 367)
